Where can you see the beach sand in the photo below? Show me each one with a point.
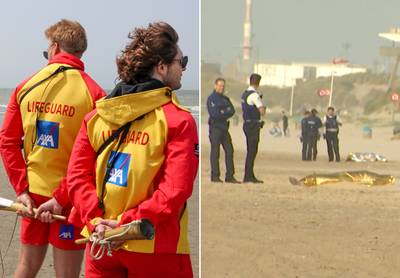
(276, 229)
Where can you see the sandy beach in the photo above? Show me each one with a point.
(279, 230)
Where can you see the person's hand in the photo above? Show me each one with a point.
(105, 225)
(27, 201)
(45, 210)
(301, 139)
(324, 136)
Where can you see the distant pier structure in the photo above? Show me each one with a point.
(243, 66)
(247, 32)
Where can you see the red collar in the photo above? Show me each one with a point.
(69, 59)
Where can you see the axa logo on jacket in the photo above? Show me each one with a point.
(52, 107)
(47, 134)
(66, 232)
(119, 171)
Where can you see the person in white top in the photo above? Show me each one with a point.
(255, 99)
(253, 108)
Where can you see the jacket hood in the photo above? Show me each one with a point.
(129, 102)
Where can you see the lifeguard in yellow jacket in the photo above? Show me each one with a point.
(44, 115)
(153, 164)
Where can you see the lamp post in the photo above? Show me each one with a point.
(291, 100)
(331, 92)
(394, 36)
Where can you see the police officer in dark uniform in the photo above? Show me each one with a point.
(310, 132)
(332, 123)
(304, 138)
(220, 110)
(252, 108)
(315, 134)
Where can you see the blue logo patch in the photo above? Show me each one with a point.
(119, 172)
(47, 134)
(66, 232)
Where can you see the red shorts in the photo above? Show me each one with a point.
(132, 264)
(60, 234)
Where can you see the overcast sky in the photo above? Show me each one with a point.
(299, 30)
(107, 24)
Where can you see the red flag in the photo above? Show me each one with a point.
(395, 97)
(336, 61)
(323, 92)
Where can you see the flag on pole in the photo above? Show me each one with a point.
(323, 92)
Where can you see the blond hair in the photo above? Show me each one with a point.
(69, 35)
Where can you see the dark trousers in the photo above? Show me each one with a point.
(332, 142)
(304, 148)
(221, 137)
(309, 150)
(314, 150)
(252, 132)
(285, 127)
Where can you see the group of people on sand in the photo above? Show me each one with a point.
(311, 125)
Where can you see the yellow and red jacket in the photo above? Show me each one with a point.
(153, 175)
(46, 120)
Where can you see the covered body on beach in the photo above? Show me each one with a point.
(363, 177)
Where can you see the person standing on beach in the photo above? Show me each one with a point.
(332, 122)
(304, 137)
(314, 123)
(147, 171)
(44, 115)
(220, 109)
(253, 108)
(285, 123)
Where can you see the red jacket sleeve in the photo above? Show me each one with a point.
(176, 177)
(10, 145)
(81, 176)
(61, 193)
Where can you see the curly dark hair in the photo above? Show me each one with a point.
(149, 46)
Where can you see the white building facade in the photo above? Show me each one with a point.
(285, 75)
